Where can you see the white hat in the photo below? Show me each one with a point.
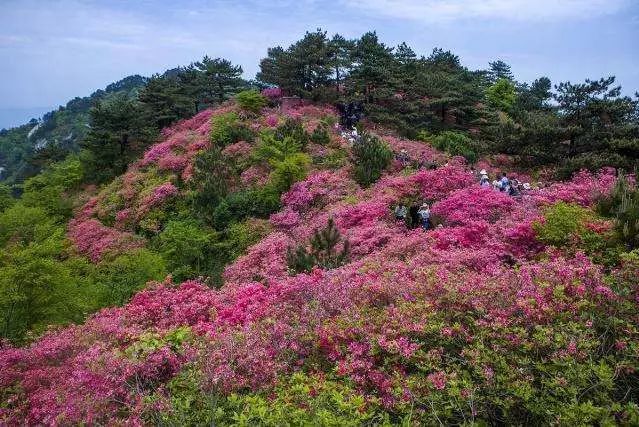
(483, 172)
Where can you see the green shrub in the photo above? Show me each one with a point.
(293, 129)
(370, 157)
(251, 100)
(271, 148)
(241, 235)
(623, 205)
(299, 400)
(6, 198)
(226, 129)
(335, 159)
(118, 279)
(561, 222)
(49, 189)
(259, 203)
(456, 144)
(291, 169)
(209, 183)
(186, 247)
(303, 400)
(321, 135)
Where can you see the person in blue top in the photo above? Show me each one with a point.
(505, 182)
(424, 215)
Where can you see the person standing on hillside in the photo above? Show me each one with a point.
(400, 212)
(424, 214)
(484, 181)
(504, 182)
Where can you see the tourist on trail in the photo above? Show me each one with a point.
(484, 182)
(424, 214)
(400, 212)
(505, 183)
(403, 157)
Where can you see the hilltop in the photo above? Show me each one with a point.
(502, 313)
(334, 243)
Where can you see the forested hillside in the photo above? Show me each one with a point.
(24, 150)
(225, 252)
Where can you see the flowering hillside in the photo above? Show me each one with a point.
(483, 319)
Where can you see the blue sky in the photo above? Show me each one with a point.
(53, 50)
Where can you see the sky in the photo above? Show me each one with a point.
(54, 50)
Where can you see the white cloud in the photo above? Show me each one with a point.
(516, 10)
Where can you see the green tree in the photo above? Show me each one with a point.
(501, 95)
(218, 80)
(166, 100)
(499, 70)
(594, 117)
(305, 67)
(211, 174)
(186, 247)
(118, 134)
(324, 252)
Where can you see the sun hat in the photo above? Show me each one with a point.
(483, 172)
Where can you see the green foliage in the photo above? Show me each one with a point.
(456, 144)
(37, 289)
(226, 129)
(299, 400)
(239, 236)
(251, 100)
(22, 224)
(320, 135)
(273, 149)
(501, 95)
(303, 400)
(561, 222)
(118, 135)
(53, 189)
(623, 205)
(335, 159)
(370, 157)
(289, 170)
(6, 198)
(237, 206)
(293, 129)
(116, 280)
(150, 342)
(211, 173)
(324, 251)
(186, 246)
(38, 285)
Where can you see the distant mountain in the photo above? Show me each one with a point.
(56, 133)
(11, 117)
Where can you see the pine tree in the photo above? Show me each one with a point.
(324, 251)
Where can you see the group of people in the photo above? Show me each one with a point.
(350, 114)
(419, 216)
(415, 217)
(502, 183)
